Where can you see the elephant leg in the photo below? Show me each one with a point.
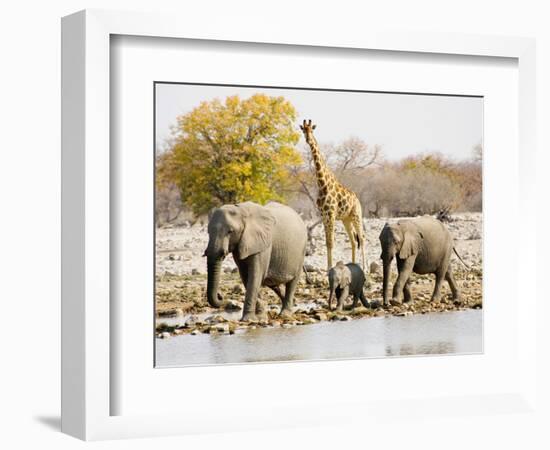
(365, 302)
(261, 309)
(386, 282)
(277, 290)
(361, 297)
(288, 300)
(349, 230)
(452, 284)
(405, 267)
(358, 227)
(243, 272)
(337, 293)
(439, 276)
(254, 281)
(342, 298)
(407, 291)
(328, 223)
(364, 299)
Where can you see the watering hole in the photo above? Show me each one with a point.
(454, 332)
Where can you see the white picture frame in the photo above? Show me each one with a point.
(87, 355)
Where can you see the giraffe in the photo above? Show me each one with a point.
(335, 201)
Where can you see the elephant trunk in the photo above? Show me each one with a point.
(214, 267)
(386, 280)
(332, 289)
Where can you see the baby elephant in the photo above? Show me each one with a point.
(346, 279)
(422, 245)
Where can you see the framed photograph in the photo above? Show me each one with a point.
(223, 152)
(326, 207)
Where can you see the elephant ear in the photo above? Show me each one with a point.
(341, 274)
(258, 229)
(411, 244)
(390, 235)
(346, 277)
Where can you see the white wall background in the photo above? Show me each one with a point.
(30, 187)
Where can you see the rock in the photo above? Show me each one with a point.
(320, 316)
(310, 268)
(309, 321)
(374, 267)
(340, 317)
(164, 335)
(234, 270)
(286, 325)
(233, 305)
(195, 332)
(216, 318)
(227, 270)
(375, 304)
(179, 312)
(191, 321)
(220, 328)
(195, 272)
(171, 257)
(404, 313)
(306, 291)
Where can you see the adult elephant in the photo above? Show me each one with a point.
(422, 245)
(268, 245)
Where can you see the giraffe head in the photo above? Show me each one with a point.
(307, 127)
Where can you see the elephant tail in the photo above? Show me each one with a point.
(461, 260)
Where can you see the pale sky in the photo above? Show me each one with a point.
(401, 124)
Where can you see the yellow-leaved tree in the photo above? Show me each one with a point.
(232, 151)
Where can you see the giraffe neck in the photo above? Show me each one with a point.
(322, 172)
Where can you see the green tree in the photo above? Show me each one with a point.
(232, 151)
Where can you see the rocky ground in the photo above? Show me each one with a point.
(181, 281)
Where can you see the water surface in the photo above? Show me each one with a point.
(455, 332)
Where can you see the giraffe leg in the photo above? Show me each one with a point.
(328, 222)
(349, 229)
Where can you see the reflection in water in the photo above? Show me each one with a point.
(431, 348)
(440, 333)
